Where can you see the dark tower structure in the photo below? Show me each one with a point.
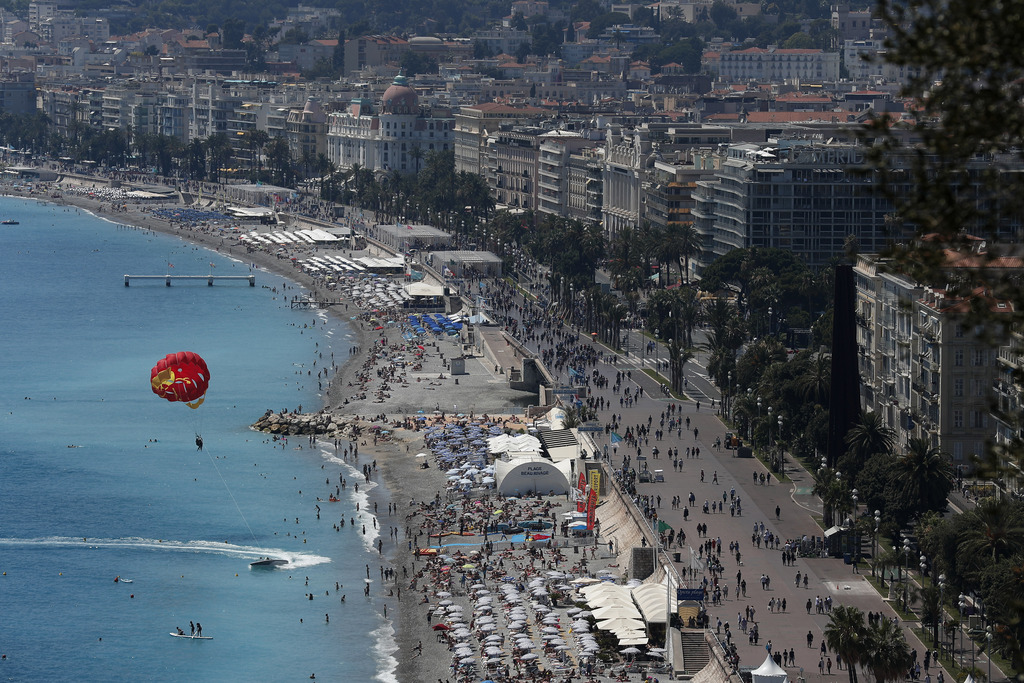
(844, 397)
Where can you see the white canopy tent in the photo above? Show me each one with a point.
(769, 672)
(532, 474)
(652, 600)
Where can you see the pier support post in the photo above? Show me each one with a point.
(209, 281)
(252, 280)
(126, 279)
(167, 281)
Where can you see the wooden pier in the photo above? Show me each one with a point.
(209, 278)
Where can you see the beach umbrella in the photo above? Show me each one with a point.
(630, 651)
(550, 630)
(528, 656)
(444, 594)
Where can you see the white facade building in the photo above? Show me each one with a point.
(397, 138)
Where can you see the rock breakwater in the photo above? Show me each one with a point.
(320, 423)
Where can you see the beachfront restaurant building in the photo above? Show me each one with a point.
(256, 194)
(402, 238)
(461, 263)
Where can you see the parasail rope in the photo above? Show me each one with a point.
(213, 461)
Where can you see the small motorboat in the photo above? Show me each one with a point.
(9, 221)
(267, 562)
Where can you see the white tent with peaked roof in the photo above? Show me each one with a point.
(769, 672)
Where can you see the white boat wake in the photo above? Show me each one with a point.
(229, 549)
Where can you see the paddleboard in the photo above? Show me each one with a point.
(185, 635)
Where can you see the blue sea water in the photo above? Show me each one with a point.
(134, 498)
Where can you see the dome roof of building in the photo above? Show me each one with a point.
(425, 40)
(400, 98)
(314, 111)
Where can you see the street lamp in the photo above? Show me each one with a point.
(906, 579)
(728, 391)
(769, 321)
(782, 451)
(963, 607)
(769, 429)
(938, 612)
(839, 481)
(657, 334)
(874, 549)
(750, 398)
(988, 650)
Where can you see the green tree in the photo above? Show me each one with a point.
(886, 652)
(870, 436)
(218, 150)
(845, 634)
(925, 476)
(816, 381)
(993, 531)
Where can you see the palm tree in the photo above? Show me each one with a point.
(925, 475)
(845, 635)
(995, 529)
(886, 652)
(815, 383)
(689, 246)
(890, 557)
(678, 357)
(257, 139)
(834, 493)
(870, 436)
(218, 151)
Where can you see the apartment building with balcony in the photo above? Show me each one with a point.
(885, 324)
(799, 195)
(513, 159)
(475, 123)
(585, 177)
(776, 65)
(1007, 415)
(923, 367)
(306, 130)
(553, 170)
(628, 155)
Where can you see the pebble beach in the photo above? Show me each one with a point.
(407, 402)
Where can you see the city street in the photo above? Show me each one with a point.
(827, 578)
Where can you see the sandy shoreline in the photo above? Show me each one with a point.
(403, 479)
